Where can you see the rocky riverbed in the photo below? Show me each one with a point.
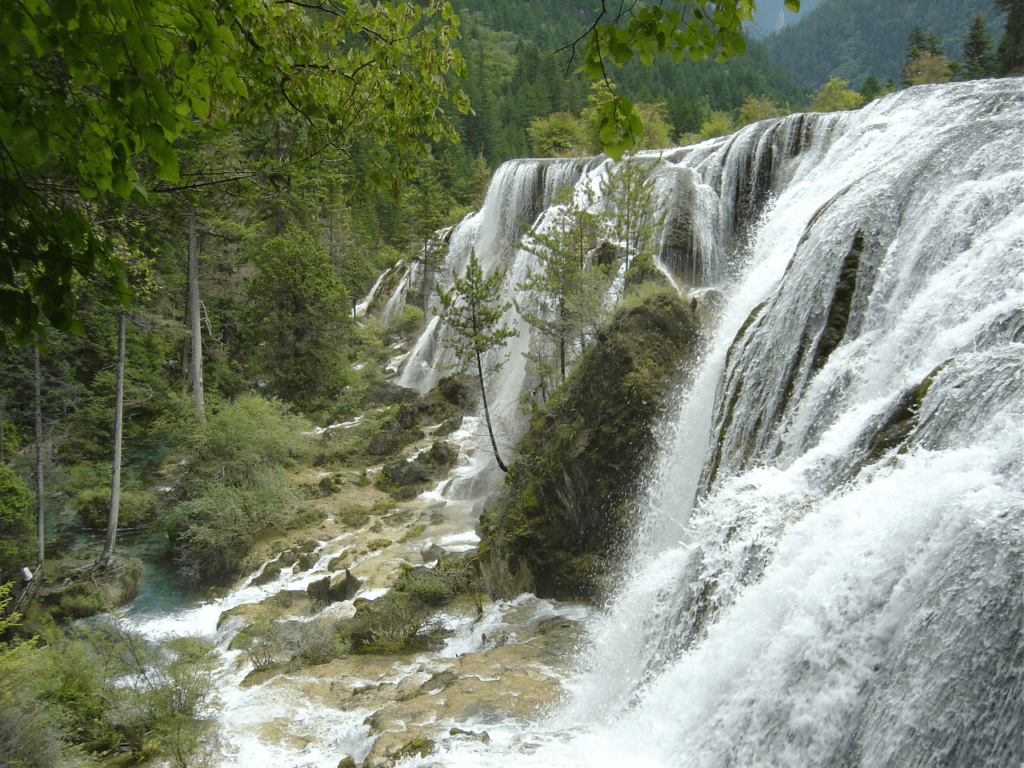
(486, 662)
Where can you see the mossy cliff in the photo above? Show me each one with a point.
(553, 527)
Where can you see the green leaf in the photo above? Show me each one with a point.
(793, 5)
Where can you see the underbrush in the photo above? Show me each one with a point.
(235, 487)
(100, 690)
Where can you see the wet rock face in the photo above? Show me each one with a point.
(444, 405)
(553, 527)
(429, 466)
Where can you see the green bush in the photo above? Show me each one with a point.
(401, 620)
(235, 487)
(134, 508)
(304, 517)
(318, 641)
(17, 523)
(108, 689)
(244, 438)
(406, 323)
(353, 516)
(214, 531)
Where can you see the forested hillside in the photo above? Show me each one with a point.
(519, 70)
(852, 39)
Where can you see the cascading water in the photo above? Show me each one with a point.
(520, 192)
(830, 569)
(828, 565)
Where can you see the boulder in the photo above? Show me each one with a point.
(288, 558)
(432, 553)
(441, 456)
(390, 394)
(404, 472)
(448, 426)
(270, 573)
(320, 590)
(344, 587)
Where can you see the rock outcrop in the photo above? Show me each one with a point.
(566, 501)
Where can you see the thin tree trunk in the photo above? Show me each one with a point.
(194, 324)
(37, 398)
(487, 413)
(115, 478)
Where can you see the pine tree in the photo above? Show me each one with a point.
(1010, 55)
(978, 59)
(634, 223)
(428, 204)
(473, 311)
(926, 60)
(561, 247)
(298, 319)
(870, 88)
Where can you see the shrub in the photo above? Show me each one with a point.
(17, 523)
(236, 487)
(353, 516)
(406, 323)
(214, 531)
(412, 534)
(135, 507)
(245, 438)
(305, 517)
(318, 641)
(262, 639)
(401, 619)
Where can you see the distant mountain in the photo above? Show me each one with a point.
(854, 38)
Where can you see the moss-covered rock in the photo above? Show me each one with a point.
(566, 500)
(444, 404)
(399, 621)
(90, 590)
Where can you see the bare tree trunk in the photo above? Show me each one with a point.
(195, 369)
(487, 413)
(115, 478)
(37, 397)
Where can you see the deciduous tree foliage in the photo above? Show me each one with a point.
(17, 524)
(94, 88)
(834, 96)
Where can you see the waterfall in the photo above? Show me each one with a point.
(519, 193)
(829, 568)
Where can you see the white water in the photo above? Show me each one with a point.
(830, 603)
(800, 594)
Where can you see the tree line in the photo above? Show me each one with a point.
(854, 39)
